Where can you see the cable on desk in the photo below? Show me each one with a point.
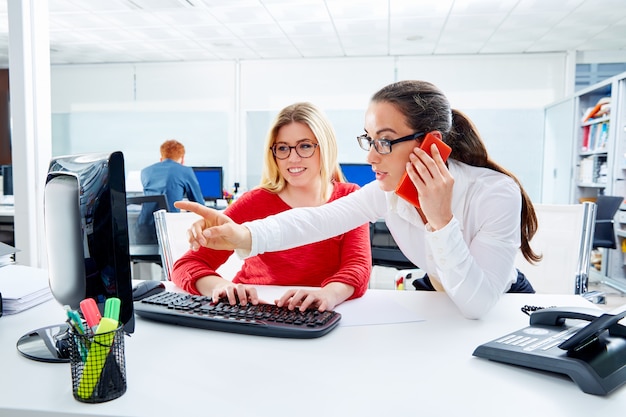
(529, 309)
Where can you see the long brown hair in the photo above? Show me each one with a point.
(426, 108)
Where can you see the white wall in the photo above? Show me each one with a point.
(222, 110)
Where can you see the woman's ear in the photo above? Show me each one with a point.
(436, 134)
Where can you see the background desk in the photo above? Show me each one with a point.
(7, 229)
(418, 368)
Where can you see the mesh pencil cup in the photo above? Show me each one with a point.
(98, 366)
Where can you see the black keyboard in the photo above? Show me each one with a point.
(261, 320)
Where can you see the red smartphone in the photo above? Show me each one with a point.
(405, 188)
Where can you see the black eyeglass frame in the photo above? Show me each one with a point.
(315, 145)
(379, 143)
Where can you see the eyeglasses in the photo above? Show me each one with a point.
(383, 146)
(303, 149)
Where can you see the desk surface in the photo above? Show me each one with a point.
(413, 368)
(7, 212)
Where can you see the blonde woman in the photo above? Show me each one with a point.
(300, 170)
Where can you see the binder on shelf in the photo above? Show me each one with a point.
(585, 138)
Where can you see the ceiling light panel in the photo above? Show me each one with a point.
(308, 28)
(476, 22)
(185, 17)
(542, 6)
(483, 7)
(358, 9)
(223, 3)
(253, 30)
(160, 4)
(134, 20)
(420, 8)
(205, 32)
(69, 37)
(351, 27)
(250, 14)
(90, 5)
(424, 27)
(592, 7)
(300, 11)
(530, 21)
(270, 43)
(78, 21)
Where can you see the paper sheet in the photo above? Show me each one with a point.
(373, 308)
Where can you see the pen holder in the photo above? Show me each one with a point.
(98, 366)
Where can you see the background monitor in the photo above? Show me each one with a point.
(7, 179)
(211, 181)
(86, 233)
(360, 174)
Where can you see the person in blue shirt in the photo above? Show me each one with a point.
(170, 177)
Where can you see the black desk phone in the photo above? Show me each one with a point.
(586, 344)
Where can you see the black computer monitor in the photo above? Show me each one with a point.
(356, 173)
(7, 179)
(86, 233)
(211, 181)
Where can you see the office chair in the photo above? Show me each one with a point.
(173, 242)
(604, 234)
(388, 261)
(142, 234)
(564, 237)
(385, 251)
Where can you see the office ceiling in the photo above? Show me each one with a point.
(107, 31)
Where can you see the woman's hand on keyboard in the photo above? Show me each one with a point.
(215, 230)
(236, 294)
(325, 298)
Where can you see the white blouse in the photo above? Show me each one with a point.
(472, 257)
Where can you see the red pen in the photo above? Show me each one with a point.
(90, 311)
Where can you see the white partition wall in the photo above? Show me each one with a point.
(341, 87)
(134, 108)
(222, 110)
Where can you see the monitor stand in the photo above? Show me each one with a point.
(47, 344)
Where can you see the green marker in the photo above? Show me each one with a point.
(112, 308)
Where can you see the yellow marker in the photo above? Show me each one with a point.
(102, 341)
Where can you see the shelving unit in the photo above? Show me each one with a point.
(594, 144)
(600, 164)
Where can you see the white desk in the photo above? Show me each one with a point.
(418, 368)
(7, 214)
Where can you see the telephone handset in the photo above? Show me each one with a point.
(406, 189)
(598, 323)
(588, 345)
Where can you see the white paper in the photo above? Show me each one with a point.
(372, 308)
(23, 287)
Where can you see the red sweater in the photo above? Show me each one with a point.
(345, 258)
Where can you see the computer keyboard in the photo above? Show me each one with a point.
(261, 320)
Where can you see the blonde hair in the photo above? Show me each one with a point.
(316, 120)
